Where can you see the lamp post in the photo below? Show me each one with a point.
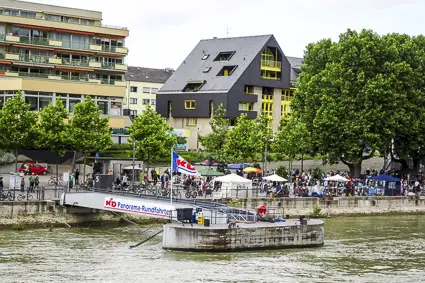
(134, 161)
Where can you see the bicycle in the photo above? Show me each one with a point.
(7, 196)
(52, 181)
(23, 196)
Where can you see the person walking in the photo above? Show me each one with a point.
(1, 185)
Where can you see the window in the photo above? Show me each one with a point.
(146, 101)
(133, 100)
(227, 71)
(153, 102)
(191, 122)
(154, 90)
(193, 86)
(246, 106)
(133, 113)
(133, 89)
(249, 89)
(224, 56)
(207, 69)
(146, 90)
(190, 104)
(103, 106)
(205, 57)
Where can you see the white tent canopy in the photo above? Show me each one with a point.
(275, 178)
(233, 186)
(232, 178)
(131, 168)
(337, 178)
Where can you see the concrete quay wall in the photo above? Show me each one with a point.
(219, 238)
(338, 206)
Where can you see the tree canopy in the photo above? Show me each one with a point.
(88, 131)
(351, 95)
(153, 137)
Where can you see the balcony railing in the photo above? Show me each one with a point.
(270, 78)
(32, 15)
(63, 77)
(62, 44)
(271, 64)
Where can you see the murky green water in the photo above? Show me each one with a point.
(368, 249)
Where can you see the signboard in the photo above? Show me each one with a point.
(182, 133)
(141, 207)
(14, 182)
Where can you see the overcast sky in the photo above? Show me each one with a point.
(162, 33)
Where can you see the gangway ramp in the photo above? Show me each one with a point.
(146, 205)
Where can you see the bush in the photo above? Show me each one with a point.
(283, 172)
(317, 173)
(316, 211)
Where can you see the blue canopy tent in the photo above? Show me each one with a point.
(392, 185)
(238, 166)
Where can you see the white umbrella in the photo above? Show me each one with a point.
(337, 178)
(275, 178)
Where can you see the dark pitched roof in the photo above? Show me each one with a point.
(192, 69)
(149, 75)
(296, 64)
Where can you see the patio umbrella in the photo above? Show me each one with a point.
(252, 170)
(337, 178)
(209, 172)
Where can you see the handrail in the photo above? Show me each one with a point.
(271, 64)
(63, 77)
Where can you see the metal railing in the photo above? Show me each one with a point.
(271, 64)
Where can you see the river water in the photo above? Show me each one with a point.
(366, 249)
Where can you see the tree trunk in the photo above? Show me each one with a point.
(355, 169)
(57, 174)
(16, 161)
(416, 165)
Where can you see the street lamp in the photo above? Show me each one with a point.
(134, 161)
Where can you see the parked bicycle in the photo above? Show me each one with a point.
(52, 181)
(6, 196)
(24, 196)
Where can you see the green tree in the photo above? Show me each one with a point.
(349, 95)
(152, 136)
(88, 131)
(16, 125)
(244, 141)
(52, 131)
(214, 142)
(263, 125)
(292, 138)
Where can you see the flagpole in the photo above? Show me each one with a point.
(171, 177)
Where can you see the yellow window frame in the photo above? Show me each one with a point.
(190, 104)
(191, 121)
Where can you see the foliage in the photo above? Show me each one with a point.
(88, 131)
(152, 136)
(244, 141)
(349, 95)
(214, 142)
(316, 211)
(317, 173)
(283, 172)
(16, 124)
(292, 138)
(51, 129)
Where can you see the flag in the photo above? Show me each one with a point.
(182, 166)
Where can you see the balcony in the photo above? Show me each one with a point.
(270, 78)
(65, 62)
(63, 44)
(269, 65)
(64, 78)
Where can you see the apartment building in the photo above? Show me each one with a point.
(143, 85)
(50, 52)
(246, 74)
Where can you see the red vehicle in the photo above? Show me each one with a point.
(34, 168)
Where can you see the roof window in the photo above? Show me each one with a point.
(227, 71)
(207, 69)
(193, 86)
(205, 57)
(224, 56)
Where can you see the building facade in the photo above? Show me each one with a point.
(50, 52)
(245, 74)
(143, 85)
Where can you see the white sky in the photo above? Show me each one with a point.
(163, 33)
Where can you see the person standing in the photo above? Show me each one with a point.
(36, 181)
(1, 185)
(22, 184)
(32, 183)
(77, 176)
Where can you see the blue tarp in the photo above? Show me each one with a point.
(237, 166)
(384, 177)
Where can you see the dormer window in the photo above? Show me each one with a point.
(193, 86)
(207, 69)
(224, 56)
(227, 71)
(205, 57)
